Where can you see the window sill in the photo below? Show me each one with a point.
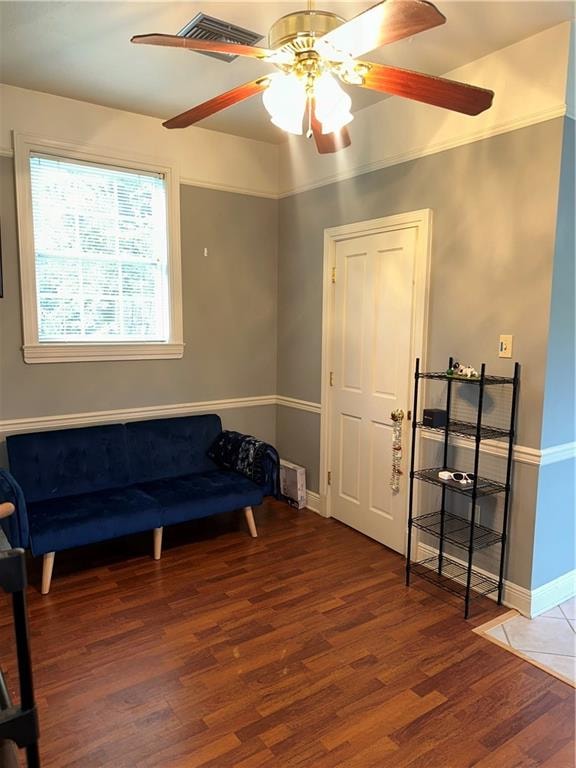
(76, 353)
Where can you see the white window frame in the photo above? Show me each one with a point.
(36, 351)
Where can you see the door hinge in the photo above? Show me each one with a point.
(331, 378)
(329, 478)
(409, 416)
(333, 274)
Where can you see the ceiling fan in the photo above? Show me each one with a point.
(313, 50)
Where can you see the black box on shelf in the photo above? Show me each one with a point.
(434, 417)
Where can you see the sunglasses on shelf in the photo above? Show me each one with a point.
(459, 477)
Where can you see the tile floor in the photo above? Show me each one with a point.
(549, 640)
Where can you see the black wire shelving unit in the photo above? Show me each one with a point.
(18, 724)
(460, 577)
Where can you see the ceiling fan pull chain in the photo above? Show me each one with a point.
(309, 132)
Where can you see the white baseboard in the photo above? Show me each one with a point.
(530, 603)
(513, 595)
(313, 502)
(553, 593)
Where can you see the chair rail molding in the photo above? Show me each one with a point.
(300, 405)
(85, 419)
(522, 454)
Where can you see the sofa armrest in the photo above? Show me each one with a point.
(15, 526)
(250, 457)
(272, 471)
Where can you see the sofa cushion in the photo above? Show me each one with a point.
(200, 495)
(71, 522)
(68, 462)
(164, 448)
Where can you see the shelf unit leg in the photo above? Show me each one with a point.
(475, 489)
(444, 466)
(508, 481)
(33, 756)
(412, 459)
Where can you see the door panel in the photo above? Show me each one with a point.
(353, 326)
(371, 378)
(349, 457)
(380, 451)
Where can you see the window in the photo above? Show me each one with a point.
(100, 270)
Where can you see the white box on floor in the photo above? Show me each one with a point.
(293, 483)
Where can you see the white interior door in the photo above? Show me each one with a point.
(371, 375)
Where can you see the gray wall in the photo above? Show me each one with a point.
(229, 300)
(252, 307)
(494, 208)
(555, 535)
(298, 439)
(555, 527)
(559, 423)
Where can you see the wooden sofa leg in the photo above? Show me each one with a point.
(250, 520)
(47, 566)
(157, 543)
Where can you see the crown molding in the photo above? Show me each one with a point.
(237, 190)
(187, 181)
(431, 148)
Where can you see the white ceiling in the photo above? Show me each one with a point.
(82, 50)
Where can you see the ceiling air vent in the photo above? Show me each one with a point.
(203, 27)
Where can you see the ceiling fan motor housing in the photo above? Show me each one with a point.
(298, 31)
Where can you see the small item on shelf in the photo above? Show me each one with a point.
(460, 477)
(434, 417)
(465, 371)
(397, 416)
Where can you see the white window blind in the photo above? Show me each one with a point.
(100, 249)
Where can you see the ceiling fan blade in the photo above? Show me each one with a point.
(328, 143)
(450, 94)
(384, 23)
(224, 100)
(213, 46)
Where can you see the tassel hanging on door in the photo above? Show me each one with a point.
(397, 417)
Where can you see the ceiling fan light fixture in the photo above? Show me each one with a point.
(332, 103)
(285, 101)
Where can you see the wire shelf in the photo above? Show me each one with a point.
(443, 376)
(468, 429)
(456, 530)
(453, 576)
(484, 487)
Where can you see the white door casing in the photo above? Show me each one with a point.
(373, 328)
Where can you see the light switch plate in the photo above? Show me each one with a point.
(505, 346)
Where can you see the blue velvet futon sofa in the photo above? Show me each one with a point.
(79, 486)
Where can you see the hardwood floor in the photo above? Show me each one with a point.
(299, 648)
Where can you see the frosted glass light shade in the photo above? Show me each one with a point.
(332, 104)
(285, 102)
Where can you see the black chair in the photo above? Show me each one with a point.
(18, 725)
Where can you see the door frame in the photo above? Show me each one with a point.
(420, 220)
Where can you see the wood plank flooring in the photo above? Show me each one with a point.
(299, 648)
